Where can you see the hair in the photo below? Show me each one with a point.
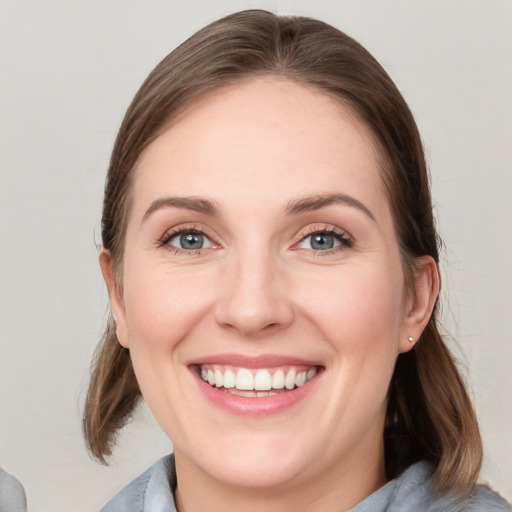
(429, 412)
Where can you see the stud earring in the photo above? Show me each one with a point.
(411, 339)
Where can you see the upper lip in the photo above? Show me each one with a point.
(260, 361)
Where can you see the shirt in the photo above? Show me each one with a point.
(412, 491)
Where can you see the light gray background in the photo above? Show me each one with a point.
(68, 71)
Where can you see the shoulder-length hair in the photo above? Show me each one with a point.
(429, 413)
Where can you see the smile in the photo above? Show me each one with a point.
(256, 382)
(256, 386)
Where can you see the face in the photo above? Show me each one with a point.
(262, 296)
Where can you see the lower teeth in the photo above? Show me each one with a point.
(253, 393)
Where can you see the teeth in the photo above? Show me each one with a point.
(278, 380)
(256, 382)
(300, 380)
(289, 382)
(229, 379)
(244, 380)
(262, 380)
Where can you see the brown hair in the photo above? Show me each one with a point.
(429, 413)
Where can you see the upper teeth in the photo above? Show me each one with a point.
(259, 380)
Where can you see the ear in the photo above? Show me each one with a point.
(420, 303)
(115, 296)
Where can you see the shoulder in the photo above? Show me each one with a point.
(414, 490)
(486, 500)
(150, 492)
(12, 494)
(417, 488)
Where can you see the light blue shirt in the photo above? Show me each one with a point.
(413, 491)
(12, 494)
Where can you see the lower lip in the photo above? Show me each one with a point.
(255, 406)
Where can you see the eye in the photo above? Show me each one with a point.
(190, 240)
(324, 241)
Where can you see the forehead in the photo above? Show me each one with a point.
(262, 140)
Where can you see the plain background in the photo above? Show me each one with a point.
(68, 72)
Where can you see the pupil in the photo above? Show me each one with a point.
(191, 241)
(322, 242)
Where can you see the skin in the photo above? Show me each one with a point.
(258, 287)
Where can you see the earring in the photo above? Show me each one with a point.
(411, 339)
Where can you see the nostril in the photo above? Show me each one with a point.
(271, 326)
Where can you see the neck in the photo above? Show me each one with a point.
(339, 488)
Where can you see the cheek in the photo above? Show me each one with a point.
(163, 306)
(357, 315)
(360, 316)
(358, 309)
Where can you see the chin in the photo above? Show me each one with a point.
(244, 457)
(255, 469)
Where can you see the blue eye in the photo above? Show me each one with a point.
(189, 241)
(324, 241)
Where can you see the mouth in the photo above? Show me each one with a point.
(256, 382)
(256, 386)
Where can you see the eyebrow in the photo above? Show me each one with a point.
(304, 204)
(315, 202)
(196, 204)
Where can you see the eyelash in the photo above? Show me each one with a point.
(194, 230)
(346, 242)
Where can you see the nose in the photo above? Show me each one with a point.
(255, 299)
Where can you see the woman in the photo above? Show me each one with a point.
(271, 260)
